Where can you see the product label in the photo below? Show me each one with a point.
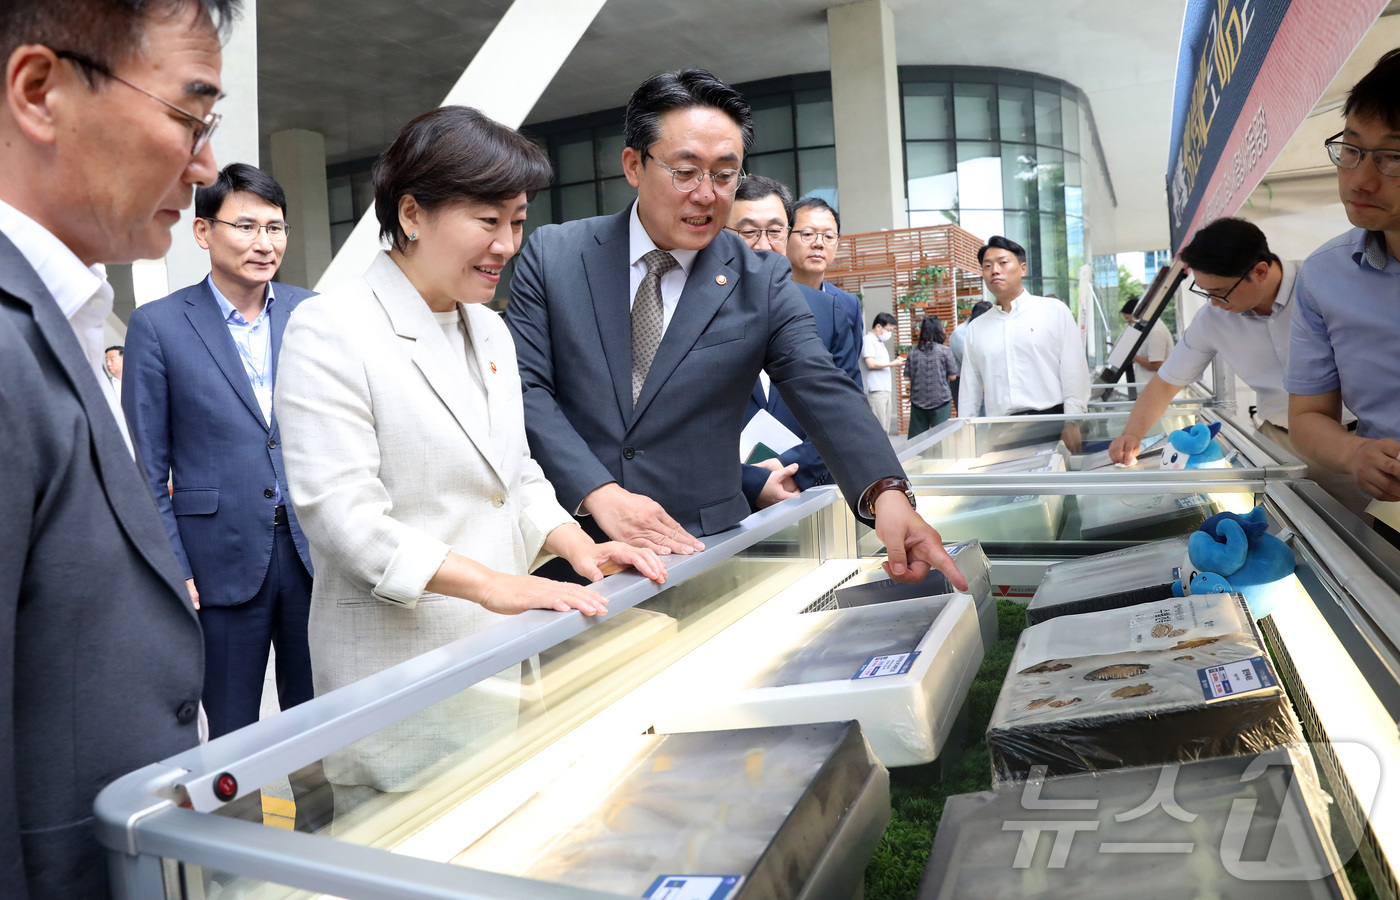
(1164, 625)
(1235, 678)
(1043, 469)
(1023, 497)
(692, 887)
(1046, 452)
(1188, 502)
(879, 666)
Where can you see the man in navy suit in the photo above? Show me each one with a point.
(760, 215)
(640, 337)
(811, 247)
(197, 393)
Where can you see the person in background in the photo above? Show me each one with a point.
(1345, 329)
(931, 369)
(957, 342)
(1155, 348)
(816, 235)
(875, 362)
(106, 109)
(760, 216)
(400, 408)
(113, 364)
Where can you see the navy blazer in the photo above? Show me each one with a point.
(738, 314)
(181, 366)
(101, 660)
(851, 304)
(832, 328)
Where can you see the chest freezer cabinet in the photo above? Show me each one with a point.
(872, 587)
(1158, 683)
(1248, 827)
(1127, 577)
(903, 669)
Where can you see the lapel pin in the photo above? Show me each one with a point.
(493, 368)
(720, 279)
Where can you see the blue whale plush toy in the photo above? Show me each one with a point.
(1197, 445)
(1234, 553)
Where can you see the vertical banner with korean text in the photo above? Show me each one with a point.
(1247, 75)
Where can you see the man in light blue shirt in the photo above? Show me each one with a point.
(1347, 323)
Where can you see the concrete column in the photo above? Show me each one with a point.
(124, 293)
(235, 141)
(865, 105)
(299, 165)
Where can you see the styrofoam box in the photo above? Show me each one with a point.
(1169, 833)
(807, 673)
(1024, 517)
(875, 587)
(1102, 582)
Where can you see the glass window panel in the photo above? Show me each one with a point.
(617, 195)
(610, 154)
(1049, 123)
(541, 212)
(772, 128)
(974, 111)
(340, 231)
(340, 199)
(926, 111)
(578, 201)
(1053, 262)
(575, 152)
(1073, 171)
(1051, 172)
(362, 183)
(1019, 176)
(1017, 114)
(920, 218)
(781, 167)
(1071, 118)
(1017, 227)
(979, 176)
(982, 222)
(815, 124)
(933, 176)
(816, 174)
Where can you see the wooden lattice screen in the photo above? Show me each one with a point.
(907, 260)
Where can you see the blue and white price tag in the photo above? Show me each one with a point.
(692, 887)
(878, 666)
(1235, 678)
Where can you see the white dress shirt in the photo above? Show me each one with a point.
(82, 293)
(1255, 346)
(1029, 358)
(876, 380)
(1158, 345)
(672, 283)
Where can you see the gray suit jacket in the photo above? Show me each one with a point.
(739, 313)
(101, 660)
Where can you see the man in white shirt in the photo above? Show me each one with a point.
(1155, 348)
(1025, 356)
(875, 365)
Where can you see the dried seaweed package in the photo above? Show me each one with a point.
(1250, 827)
(1157, 683)
(784, 812)
(1141, 574)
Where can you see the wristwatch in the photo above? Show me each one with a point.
(892, 483)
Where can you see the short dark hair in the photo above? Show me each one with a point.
(121, 351)
(883, 319)
(931, 332)
(108, 32)
(756, 187)
(454, 154)
(1228, 248)
(238, 178)
(815, 203)
(684, 89)
(1377, 94)
(1000, 242)
(1130, 305)
(978, 308)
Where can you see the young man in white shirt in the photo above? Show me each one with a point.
(875, 365)
(1025, 356)
(1158, 345)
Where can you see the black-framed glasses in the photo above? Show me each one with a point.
(687, 178)
(275, 230)
(201, 128)
(1349, 156)
(807, 236)
(1201, 292)
(777, 234)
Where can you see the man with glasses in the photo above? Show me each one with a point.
(104, 125)
(640, 337)
(200, 367)
(811, 247)
(760, 216)
(1347, 325)
(1246, 322)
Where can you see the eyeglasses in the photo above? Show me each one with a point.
(201, 128)
(687, 178)
(1202, 292)
(778, 234)
(808, 236)
(1349, 156)
(275, 230)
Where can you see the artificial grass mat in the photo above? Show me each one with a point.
(917, 793)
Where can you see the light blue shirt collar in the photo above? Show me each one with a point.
(227, 308)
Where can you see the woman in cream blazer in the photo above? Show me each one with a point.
(404, 440)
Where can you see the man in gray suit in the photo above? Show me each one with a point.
(640, 337)
(104, 132)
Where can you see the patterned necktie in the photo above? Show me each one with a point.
(648, 317)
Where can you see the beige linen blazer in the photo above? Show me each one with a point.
(391, 464)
